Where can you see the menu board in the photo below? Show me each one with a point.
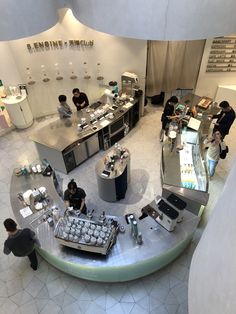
(222, 56)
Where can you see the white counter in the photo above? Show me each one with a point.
(19, 110)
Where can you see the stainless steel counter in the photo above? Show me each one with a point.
(61, 133)
(65, 146)
(126, 261)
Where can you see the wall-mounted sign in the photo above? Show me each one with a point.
(46, 45)
(222, 56)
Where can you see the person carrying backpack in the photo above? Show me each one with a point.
(216, 149)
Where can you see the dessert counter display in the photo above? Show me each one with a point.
(98, 246)
(183, 169)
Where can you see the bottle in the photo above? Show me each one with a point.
(139, 238)
(56, 214)
(134, 229)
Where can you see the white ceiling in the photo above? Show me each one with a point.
(150, 19)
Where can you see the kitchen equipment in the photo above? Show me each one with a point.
(43, 191)
(39, 168)
(168, 215)
(50, 221)
(178, 204)
(129, 83)
(26, 196)
(36, 196)
(55, 214)
(113, 87)
(98, 236)
(162, 212)
(38, 206)
(34, 169)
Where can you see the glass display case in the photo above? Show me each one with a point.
(183, 169)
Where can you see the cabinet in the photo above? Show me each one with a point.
(92, 145)
(134, 114)
(115, 131)
(19, 111)
(80, 153)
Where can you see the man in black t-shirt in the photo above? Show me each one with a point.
(75, 197)
(225, 119)
(79, 99)
(21, 242)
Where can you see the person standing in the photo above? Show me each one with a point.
(75, 197)
(168, 111)
(79, 99)
(64, 109)
(21, 242)
(215, 146)
(224, 119)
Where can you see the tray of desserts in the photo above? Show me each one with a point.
(87, 235)
(204, 102)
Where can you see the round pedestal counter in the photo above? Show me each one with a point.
(19, 110)
(113, 178)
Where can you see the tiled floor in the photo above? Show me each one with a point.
(51, 291)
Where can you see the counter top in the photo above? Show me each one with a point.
(126, 261)
(64, 132)
(119, 166)
(11, 100)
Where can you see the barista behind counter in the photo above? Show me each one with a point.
(79, 99)
(75, 197)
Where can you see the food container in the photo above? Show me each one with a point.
(87, 238)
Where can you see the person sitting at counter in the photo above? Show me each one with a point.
(75, 197)
(64, 109)
(21, 242)
(79, 99)
(169, 110)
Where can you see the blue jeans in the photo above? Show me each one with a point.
(211, 166)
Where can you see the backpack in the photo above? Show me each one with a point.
(224, 152)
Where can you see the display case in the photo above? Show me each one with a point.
(183, 168)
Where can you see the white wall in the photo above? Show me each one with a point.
(9, 72)
(212, 278)
(207, 81)
(115, 54)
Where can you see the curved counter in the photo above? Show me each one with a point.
(126, 261)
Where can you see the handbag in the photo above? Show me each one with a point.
(223, 152)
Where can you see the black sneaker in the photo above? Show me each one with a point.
(34, 267)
